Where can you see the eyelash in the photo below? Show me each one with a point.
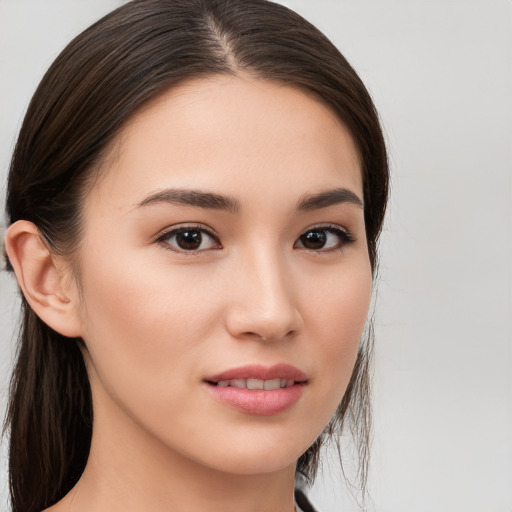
(343, 235)
(175, 231)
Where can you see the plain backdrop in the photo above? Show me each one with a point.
(440, 72)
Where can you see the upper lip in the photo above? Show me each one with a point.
(255, 371)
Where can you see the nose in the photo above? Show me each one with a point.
(263, 301)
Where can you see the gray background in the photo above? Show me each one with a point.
(440, 72)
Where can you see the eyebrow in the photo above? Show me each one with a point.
(197, 198)
(328, 198)
(212, 201)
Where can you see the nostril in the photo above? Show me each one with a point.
(268, 337)
(268, 322)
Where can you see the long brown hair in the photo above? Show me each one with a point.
(98, 82)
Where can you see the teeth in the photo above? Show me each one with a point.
(256, 383)
(272, 384)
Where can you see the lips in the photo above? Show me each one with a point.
(268, 384)
(259, 372)
(258, 390)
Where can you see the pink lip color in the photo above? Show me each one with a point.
(256, 371)
(258, 401)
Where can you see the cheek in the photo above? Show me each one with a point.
(337, 303)
(337, 314)
(143, 324)
(126, 294)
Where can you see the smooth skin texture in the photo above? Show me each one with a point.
(159, 316)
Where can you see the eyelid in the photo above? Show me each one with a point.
(344, 234)
(328, 225)
(177, 228)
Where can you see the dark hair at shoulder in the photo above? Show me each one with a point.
(99, 81)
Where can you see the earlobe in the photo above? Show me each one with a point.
(41, 278)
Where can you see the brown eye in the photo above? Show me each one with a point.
(313, 239)
(318, 239)
(189, 239)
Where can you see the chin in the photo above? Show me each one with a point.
(256, 463)
(255, 453)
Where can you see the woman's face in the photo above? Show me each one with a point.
(224, 249)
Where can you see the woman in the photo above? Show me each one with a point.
(194, 204)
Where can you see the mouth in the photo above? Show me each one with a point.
(252, 383)
(260, 377)
(257, 389)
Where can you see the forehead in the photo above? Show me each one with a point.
(235, 134)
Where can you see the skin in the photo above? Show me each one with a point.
(157, 321)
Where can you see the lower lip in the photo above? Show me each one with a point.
(258, 401)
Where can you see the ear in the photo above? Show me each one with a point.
(40, 274)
